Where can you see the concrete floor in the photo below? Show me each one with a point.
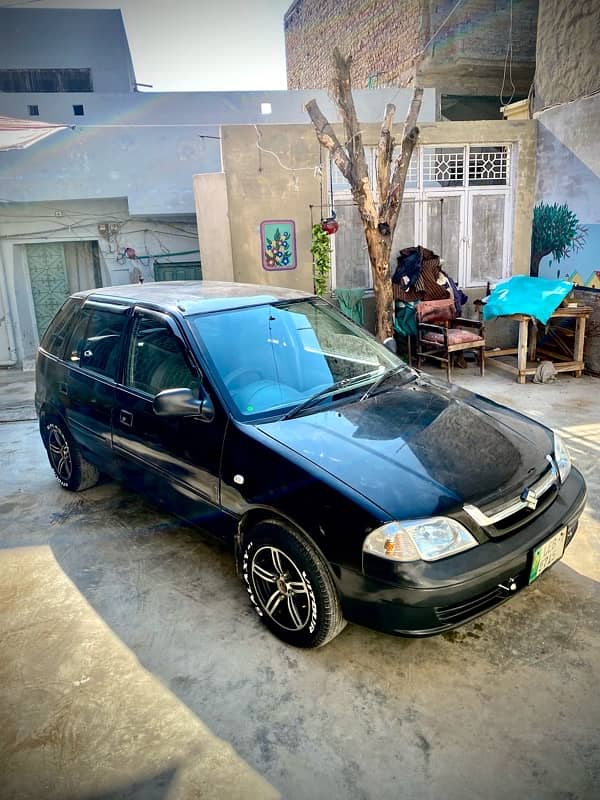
(131, 665)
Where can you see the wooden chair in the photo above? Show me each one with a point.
(440, 333)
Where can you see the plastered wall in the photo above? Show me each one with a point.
(282, 184)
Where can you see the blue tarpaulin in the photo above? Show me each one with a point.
(521, 294)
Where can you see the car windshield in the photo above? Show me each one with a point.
(273, 359)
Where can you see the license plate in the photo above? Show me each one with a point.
(546, 554)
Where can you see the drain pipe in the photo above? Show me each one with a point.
(5, 318)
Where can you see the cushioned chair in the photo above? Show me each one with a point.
(440, 333)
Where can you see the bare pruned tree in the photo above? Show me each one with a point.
(379, 213)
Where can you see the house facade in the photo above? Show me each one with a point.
(108, 200)
(469, 197)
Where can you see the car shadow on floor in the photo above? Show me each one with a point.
(171, 596)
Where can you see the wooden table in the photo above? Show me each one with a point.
(526, 349)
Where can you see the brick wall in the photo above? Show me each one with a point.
(384, 36)
(567, 50)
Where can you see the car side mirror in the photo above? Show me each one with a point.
(182, 403)
(391, 345)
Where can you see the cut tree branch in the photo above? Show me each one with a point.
(327, 137)
(385, 149)
(342, 95)
(391, 205)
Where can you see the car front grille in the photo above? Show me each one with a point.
(524, 516)
(510, 515)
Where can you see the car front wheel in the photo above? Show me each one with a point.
(290, 586)
(71, 469)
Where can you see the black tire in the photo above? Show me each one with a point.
(71, 469)
(290, 585)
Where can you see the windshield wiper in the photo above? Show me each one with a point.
(382, 379)
(334, 387)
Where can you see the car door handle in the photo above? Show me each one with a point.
(126, 418)
(62, 388)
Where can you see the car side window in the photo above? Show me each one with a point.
(156, 360)
(53, 341)
(95, 341)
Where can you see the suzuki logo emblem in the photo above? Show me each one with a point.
(530, 498)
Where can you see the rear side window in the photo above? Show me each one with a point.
(96, 341)
(54, 339)
(157, 360)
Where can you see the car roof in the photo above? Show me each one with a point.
(193, 297)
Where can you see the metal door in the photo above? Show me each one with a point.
(49, 283)
(488, 236)
(56, 270)
(442, 218)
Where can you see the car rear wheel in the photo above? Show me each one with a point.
(290, 586)
(71, 469)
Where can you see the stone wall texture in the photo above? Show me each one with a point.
(385, 37)
(568, 63)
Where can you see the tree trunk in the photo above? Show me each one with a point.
(379, 215)
(534, 268)
(379, 256)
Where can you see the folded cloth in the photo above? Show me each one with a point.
(537, 297)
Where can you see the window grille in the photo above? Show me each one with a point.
(489, 166)
(443, 166)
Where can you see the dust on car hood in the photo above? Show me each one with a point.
(421, 448)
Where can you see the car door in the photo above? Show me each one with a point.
(176, 457)
(87, 392)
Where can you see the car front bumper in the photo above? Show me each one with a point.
(424, 599)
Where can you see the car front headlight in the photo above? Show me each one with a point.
(562, 458)
(419, 540)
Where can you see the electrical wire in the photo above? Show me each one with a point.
(78, 226)
(422, 52)
(146, 125)
(508, 62)
(316, 169)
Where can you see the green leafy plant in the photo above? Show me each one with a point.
(556, 229)
(321, 251)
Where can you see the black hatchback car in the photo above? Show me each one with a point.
(350, 486)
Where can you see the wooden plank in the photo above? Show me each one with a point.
(513, 369)
(522, 354)
(579, 338)
(511, 351)
(580, 311)
(554, 355)
(569, 366)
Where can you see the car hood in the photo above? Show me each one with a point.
(420, 448)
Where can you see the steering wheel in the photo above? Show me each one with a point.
(233, 377)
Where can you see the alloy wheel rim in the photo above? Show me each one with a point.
(281, 589)
(60, 454)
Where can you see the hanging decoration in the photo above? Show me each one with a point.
(278, 244)
(329, 225)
